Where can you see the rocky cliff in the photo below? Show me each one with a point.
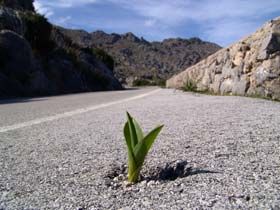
(22, 5)
(249, 67)
(136, 58)
(37, 59)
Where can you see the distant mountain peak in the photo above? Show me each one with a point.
(137, 58)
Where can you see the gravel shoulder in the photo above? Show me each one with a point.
(229, 144)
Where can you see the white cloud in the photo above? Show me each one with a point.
(149, 23)
(64, 3)
(179, 10)
(63, 20)
(42, 9)
(221, 21)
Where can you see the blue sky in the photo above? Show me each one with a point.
(219, 21)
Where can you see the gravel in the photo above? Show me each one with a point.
(214, 153)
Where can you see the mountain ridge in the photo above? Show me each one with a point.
(137, 58)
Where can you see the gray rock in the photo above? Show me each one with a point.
(240, 86)
(215, 86)
(10, 87)
(261, 75)
(248, 67)
(269, 46)
(16, 56)
(10, 20)
(273, 89)
(226, 86)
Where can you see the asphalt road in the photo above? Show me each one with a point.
(14, 111)
(59, 152)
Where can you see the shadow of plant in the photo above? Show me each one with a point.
(174, 170)
(169, 172)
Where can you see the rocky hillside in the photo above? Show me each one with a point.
(249, 67)
(137, 58)
(22, 5)
(37, 59)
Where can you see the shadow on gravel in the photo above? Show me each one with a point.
(174, 170)
(19, 100)
(169, 172)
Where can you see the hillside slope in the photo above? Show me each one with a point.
(37, 59)
(137, 58)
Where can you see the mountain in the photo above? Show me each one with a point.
(37, 59)
(251, 67)
(136, 58)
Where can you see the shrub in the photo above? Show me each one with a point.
(102, 56)
(189, 85)
(38, 31)
(143, 82)
(138, 146)
(161, 83)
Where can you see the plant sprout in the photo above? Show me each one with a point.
(137, 146)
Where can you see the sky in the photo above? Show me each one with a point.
(220, 21)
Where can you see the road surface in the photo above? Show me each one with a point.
(60, 152)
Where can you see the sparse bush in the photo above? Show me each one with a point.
(189, 86)
(138, 146)
(161, 83)
(38, 32)
(102, 56)
(143, 82)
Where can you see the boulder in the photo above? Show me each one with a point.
(16, 57)
(270, 45)
(10, 87)
(10, 20)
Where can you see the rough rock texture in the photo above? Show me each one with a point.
(24, 5)
(10, 20)
(136, 58)
(248, 67)
(15, 48)
(36, 59)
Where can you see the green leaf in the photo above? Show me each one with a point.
(139, 131)
(143, 147)
(138, 146)
(131, 157)
(132, 130)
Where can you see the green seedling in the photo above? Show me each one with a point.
(138, 146)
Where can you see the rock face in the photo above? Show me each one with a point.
(10, 20)
(16, 49)
(37, 59)
(137, 58)
(249, 67)
(23, 5)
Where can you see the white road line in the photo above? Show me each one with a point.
(71, 113)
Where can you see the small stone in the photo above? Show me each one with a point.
(151, 183)
(127, 184)
(143, 183)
